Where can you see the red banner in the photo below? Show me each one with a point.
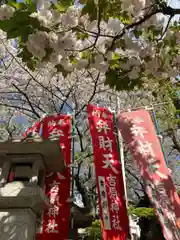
(56, 220)
(109, 179)
(34, 129)
(139, 133)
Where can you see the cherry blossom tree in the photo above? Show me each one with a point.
(131, 43)
(31, 95)
(58, 56)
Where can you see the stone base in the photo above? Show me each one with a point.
(17, 224)
(16, 195)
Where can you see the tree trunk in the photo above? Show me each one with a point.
(82, 215)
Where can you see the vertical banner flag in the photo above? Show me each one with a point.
(139, 133)
(109, 179)
(34, 129)
(56, 219)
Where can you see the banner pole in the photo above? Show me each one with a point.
(121, 151)
(121, 157)
(159, 133)
(72, 171)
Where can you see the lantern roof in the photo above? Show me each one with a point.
(49, 151)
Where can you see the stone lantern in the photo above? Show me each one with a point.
(23, 167)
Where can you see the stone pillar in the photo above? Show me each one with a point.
(17, 224)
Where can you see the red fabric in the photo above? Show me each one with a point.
(11, 177)
(34, 129)
(56, 219)
(109, 179)
(138, 132)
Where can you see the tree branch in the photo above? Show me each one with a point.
(29, 102)
(10, 133)
(82, 190)
(166, 28)
(161, 8)
(66, 98)
(80, 138)
(91, 97)
(29, 73)
(175, 140)
(137, 179)
(16, 107)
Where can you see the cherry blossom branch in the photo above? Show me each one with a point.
(28, 101)
(92, 33)
(79, 167)
(66, 99)
(83, 192)
(31, 75)
(171, 151)
(98, 23)
(136, 193)
(80, 138)
(166, 28)
(10, 132)
(16, 107)
(92, 95)
(132, 25)
(95, 34)
(164, 9)
(137, 179)
(175, 140)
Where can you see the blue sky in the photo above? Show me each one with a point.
(174, 4)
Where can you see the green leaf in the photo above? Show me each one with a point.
(72, 59)
(27, 57)
(29, 2)
(31, 65)
(125, 18)
(82, 1)
(137, 33)
(94, 232)
(62, 6)
(59, 7)
(26, 5)
(142, 212)
(31, 5)
(17, 5)
(61, 69)
(116, 56)
(119, 80)
(110, 8)
(65, 3)
(20, 25)
(90, 9)
(87, 55)
(24, 54)
(24, 32)
(82, 36)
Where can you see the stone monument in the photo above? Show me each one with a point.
(23, 166)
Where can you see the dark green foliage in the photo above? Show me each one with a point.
(142, 212)
(91, 9)
(20, 25)
(94, 232)
(119, 80)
